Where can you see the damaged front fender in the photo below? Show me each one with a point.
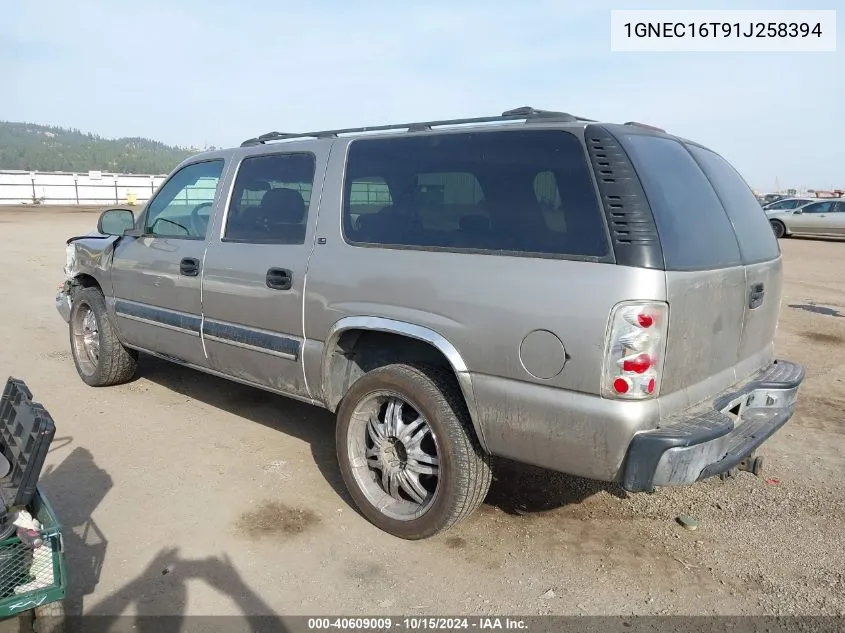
(87, 262)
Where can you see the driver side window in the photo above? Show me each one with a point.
(183, 206)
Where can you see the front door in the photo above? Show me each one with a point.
(254, 274)
(156, 277)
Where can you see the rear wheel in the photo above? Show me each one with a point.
(99, 356)
(779, 228)
(408, 453)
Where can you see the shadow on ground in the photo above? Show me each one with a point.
(75, 488)
(286, 415)
(159, 596)
(517, 489)
(817, 309)
(828, 238)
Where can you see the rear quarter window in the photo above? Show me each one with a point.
(694, 228)
(500, 192)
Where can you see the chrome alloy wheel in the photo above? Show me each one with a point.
(86, 339)
(394, 456)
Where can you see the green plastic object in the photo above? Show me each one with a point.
(21, 568)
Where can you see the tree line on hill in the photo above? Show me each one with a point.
(33, 147)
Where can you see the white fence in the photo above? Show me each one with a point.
(91, 188)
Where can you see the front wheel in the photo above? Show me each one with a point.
(408, 453)
(779, 228)
(99, 356)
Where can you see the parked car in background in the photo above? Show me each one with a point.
(768, 198)
(822, 218)
(787, 204)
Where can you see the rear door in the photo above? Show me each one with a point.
(156, 277)
(254, 273)
(723, 270)
(760, 254)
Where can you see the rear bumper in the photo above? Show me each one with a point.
(709, 439)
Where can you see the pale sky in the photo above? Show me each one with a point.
(216, 72)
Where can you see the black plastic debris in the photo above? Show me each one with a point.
(26, 431)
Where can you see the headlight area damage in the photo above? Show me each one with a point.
(87, 261)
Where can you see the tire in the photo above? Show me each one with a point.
(112, 364)
(463, 468)
(50, 618)
(779, 228)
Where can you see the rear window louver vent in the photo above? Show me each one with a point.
(629, 218)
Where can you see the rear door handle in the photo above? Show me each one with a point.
(279, 279)
(189, 266)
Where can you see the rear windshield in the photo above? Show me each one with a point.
(706, 214)
(695, 232)
(757, 242)
(521, 192)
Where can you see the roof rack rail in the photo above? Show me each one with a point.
(525, 113)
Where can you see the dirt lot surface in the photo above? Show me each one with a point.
(186, 494)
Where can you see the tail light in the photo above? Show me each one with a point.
(633, 358)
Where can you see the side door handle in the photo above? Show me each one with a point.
(189, 266)
(279, 279)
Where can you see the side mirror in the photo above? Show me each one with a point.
(115, 221)
(798, 211)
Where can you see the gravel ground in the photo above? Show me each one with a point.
(186, 494)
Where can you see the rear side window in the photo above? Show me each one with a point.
(523, 192)
(757, 242)
(819, 207)
(270, 199)
(695, 232)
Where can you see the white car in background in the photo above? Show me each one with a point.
(822, 218)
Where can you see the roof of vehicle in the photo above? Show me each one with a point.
(525, 114)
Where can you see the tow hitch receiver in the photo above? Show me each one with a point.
(750, 464)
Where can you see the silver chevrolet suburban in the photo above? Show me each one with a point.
(599, 299)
